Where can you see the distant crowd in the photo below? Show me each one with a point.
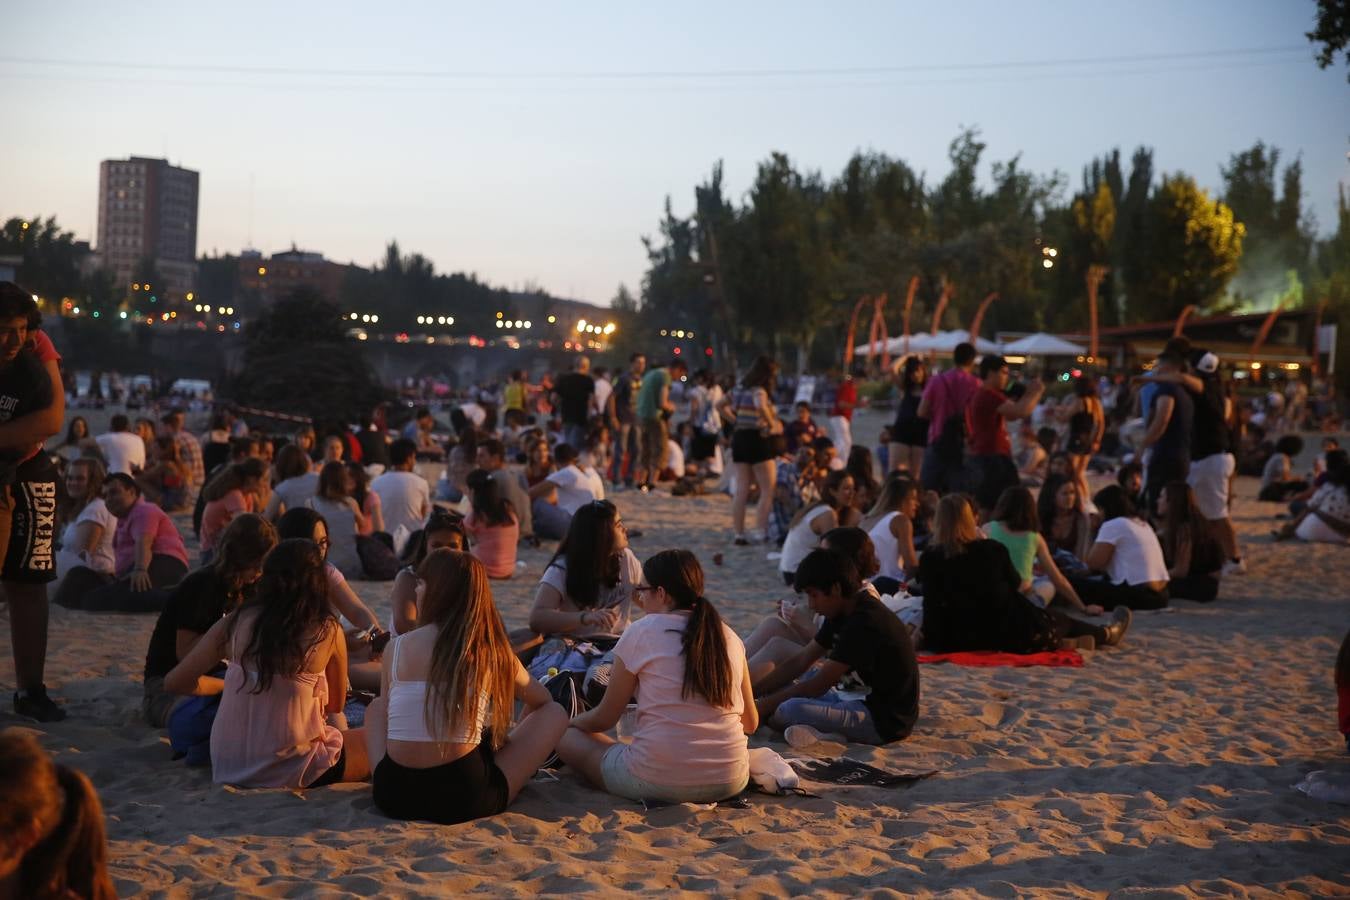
(952, 533)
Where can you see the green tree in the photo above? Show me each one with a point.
(1279, 235)
(1332, 31)
(1193, 250)
(297, 360)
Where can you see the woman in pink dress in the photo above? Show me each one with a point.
(280, 722)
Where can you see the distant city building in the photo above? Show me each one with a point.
(274, 278)
(147, 209)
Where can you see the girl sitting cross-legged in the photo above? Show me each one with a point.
(441, 729)
(694, 701)
(280, 722)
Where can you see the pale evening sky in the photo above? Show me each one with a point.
(538, 143)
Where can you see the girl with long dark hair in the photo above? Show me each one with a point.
(909, 433)
(493, 524)
(199, 601)
(441, 731)
(586, 595)
(865, 484)
(695, 704)
(834, 510)
(1065, 523)
(280, 722)
(751, 406)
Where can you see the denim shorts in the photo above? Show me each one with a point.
(620, 780)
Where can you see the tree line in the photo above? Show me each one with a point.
(780, 268)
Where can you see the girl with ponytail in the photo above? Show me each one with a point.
(694, 701)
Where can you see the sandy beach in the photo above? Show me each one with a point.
(1163, 766)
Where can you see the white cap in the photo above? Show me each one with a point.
(1208, 364)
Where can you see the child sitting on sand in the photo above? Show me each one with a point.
(694, 701)
(280, 722)
(441, 731)
(859, 635)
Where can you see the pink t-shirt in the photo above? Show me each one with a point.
(494, 546)
(948, 395)
(218, 514)
(681, 741)
(145, 518)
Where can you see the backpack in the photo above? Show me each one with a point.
(951, 442)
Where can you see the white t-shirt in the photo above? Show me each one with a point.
(123, 451)
(405, 498)
(675, 458)
(297, 491)
(621, 595)
(603, 388)
(577, 487)
(1138, 557)
(681, 741)
(99, 557)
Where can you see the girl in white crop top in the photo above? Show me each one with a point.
(436, 762)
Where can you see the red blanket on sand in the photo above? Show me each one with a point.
(1053, 658)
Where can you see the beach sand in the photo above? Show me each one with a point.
(1164, 766)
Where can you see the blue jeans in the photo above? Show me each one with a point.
(943, 473)
(574, 435)
(829, 713)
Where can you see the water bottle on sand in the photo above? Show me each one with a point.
(1329, 787)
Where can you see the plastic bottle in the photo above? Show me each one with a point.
(1329, 787)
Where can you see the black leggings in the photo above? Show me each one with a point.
(1199, 588)
(164, 572)
(1108, 595)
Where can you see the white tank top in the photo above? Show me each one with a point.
(800, 540)
(407, 710)
(888, 548)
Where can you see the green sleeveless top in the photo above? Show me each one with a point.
(1021, 547)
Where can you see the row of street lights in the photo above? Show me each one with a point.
(435, 320)
(677, 333)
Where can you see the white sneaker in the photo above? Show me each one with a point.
(799, 736)
(1235, 568)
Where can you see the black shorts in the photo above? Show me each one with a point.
(748, 445)
(30, 514)
(1079, 444)
(912, 432)
(703, 446)
(471, 787)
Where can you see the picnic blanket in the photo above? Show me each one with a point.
(1052, 658)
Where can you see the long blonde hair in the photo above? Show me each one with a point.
(954, 525)
(472, 655)
(894, 490)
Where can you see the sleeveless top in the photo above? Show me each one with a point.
(407, 710)
(341, 521)
(748, 405)
(278, 738)
(800, 540)
(888, 548)
(1021, 547)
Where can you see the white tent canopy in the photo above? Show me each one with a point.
(1042, 344)
(942, 342)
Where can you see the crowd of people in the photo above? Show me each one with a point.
(261, 653)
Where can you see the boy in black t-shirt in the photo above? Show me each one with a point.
(27, 504)
(859, 635)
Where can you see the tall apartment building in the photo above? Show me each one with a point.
(147, 209)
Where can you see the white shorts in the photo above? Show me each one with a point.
(1209, 479)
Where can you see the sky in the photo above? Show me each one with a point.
(536, 145)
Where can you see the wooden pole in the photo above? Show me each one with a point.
(1181, 319)
(943, 299)
(979, 317)
(909, 304)
(1268, 324)
(852, 329)
(879, 320)
(1095, 273)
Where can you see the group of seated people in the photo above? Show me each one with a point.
(261, 644)
(1319, 505)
